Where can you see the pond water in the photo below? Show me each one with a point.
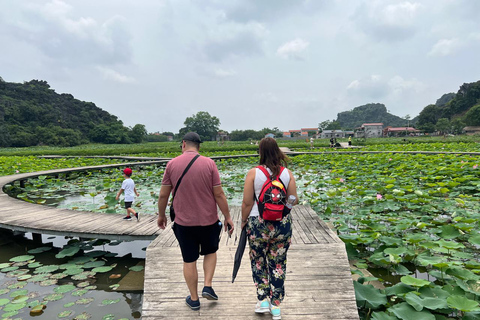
(74, 286)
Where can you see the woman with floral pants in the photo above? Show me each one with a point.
(269, 240)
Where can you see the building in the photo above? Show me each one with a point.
(400, 131)
(269, 135)
(287, 135)
(470, 131)
(222, 136)
(295, 133)
(369, 130)
(327, 134)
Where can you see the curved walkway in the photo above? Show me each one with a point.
(23, 216)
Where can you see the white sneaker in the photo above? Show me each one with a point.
(262, 306)
(275, 312)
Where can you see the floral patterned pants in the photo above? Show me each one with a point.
(269, 242)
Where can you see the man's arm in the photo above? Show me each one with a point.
(162, 205)
(222, 203)
(248, 196)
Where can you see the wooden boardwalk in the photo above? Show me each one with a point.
(318, 286)
(28, 217)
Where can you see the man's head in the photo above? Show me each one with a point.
(191, 140)
(127, 172)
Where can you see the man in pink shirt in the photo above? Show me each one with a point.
(197, 227)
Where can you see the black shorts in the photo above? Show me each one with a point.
(128, 204)
(197, 240)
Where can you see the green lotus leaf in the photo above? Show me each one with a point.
(80, 260)
(79, 292)
(4, 302)
(34, 265)
(49, 282)
(95, 254)
(73, 271)
(83, 284)
(46, 269)
(14, 306)
(24, 277)
(114, 286)
(414, 282)
(463, 274)
(5, 265)
(65, 314)
(68, 305)
(93, 264)
(462, 303)
(22, 258)
(136, 268)
(58, 276)
(8, 315)
(18, 293)
(108, 317)
(84, 301)
(39, 277)
(406, 312)
(64, 288)
(39, 250)
(3, 291)
(33, 303)
(108, 301)
(382, 316)
(8, 269)
(475, 240)
(83, 316)
(67, 252)
(20, 299)
(53, 297)
(102, 269)
(369, 295)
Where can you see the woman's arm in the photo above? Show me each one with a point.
(248, 194)
(292, 187)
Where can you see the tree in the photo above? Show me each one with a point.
(443, 125)
(202, 123)
(407, 117)
(472, 117)
(457, 125)
(138, 133)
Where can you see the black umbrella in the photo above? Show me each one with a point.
(239, 254)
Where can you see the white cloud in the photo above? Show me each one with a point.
(293, 49)
(399, 85)
(109, 74)
(445, 47)
(223, 73)
(376, 87)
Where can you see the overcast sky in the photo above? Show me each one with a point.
(251, 63)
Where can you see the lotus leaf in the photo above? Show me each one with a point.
(108, 301)
(65, 314)
(22, 258)
(73, 271)
(34, 265)
(24, 277)
(102, 269)
(382, 316)
(83, 316)
(4, 302)
(49, 282)
(46, 269)
(93, 264)
(463, 274)
(67, 252)
(18, 293)
(64, 288)
(3, 291)
(39, 277)
(20, 299)
(405, 312)
(58, 276)
(8, 269)
(83, 284)
(461, 303)
(95, 254)
(53, 297)
(108, 317)
(136, 268)
(78, 293)
(84, 301)
(415, 282)
(5, 265)
(39, 250)
(14, 306)
(114, 286)
(369, 295)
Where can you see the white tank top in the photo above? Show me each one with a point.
(260, 179)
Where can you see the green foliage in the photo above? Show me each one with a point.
(472, 117)
(372, 112)
(33, 114)
(202, 123)
(443, 125)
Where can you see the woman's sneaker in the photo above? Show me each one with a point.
(262, 306)
(193, 304)
(275, 311)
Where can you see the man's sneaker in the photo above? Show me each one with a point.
(262, 306)
(136, 216)
(193, 304)
(275, 311)
(128, 218)
(209, 294)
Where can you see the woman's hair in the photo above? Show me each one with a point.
(271, 156)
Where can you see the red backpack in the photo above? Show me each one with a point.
(273, 197)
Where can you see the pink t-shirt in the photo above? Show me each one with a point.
(194, 202)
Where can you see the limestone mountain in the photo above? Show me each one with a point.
(372, 112)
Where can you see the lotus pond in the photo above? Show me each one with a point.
(410, 222)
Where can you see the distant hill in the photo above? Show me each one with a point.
(460, 109)
(372, 112)
(32, 113)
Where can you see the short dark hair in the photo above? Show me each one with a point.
(192, 144)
